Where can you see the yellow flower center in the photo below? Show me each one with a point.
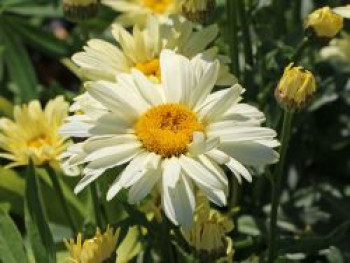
(157, 6)
(150, 68)
(167, 129)
(39, 141)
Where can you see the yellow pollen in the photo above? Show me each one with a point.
(150, 68)
(38, 142)
(157, 6)
(167, 129)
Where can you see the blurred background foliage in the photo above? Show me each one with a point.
(36, 43)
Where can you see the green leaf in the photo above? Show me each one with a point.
(313, 244)
(12, 188)
(11, 244)
(37, 11)
(36, 221)
(34, 36)
(18, 64)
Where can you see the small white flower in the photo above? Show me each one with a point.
(174, 135)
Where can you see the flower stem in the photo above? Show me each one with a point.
(280, 23)
(276, 182)
(300, 49)
(248, 52)
(96, 203)
(58, 187)
(233, 33)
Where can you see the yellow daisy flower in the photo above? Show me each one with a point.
(135, 12)
(33, 134)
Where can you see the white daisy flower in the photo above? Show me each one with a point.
(140, 50)
(135, 12)
(175, 135)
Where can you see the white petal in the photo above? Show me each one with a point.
(130, 175)
(171, 171)
(177, 76)
(215, 110)
(213, 167)
(144, 186)
(115, 156)
(76, 129)
(251, 153)
(90, 176)
(237, 168)
(199, 173)
(218, 156)
(179, 203)
(242, 134)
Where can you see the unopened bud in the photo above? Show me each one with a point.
(296, 88)
(197, 10)
(324, 22)
(80, 10)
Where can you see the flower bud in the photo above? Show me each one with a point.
(197, 10)
(295, 88)
(80, 10)
(324, 22)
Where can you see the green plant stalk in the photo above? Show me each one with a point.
(300, 49)
(58, 188)
(96, 203)
(248, 52)
(233, 33)
(280, 23)
(276, 183)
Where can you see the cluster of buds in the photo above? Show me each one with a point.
(197, 10)
(80, 10)
(296, 88)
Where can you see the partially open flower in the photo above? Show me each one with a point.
(197, 10)
(95, 250)
(209, 235)
(325, 22)
(79, 10)
(295, 88)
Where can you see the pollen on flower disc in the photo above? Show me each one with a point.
(167, 129)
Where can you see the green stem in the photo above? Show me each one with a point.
(248, 52)
(58, 188)
(233, 33)
(96, 203)
(300, 49)
(276, 183)
(280, 23)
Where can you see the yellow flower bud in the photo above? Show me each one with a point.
(79, 10)
(295, 88)
(325, 22)
(197, 10)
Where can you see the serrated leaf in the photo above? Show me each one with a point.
(11, 245)
(36, 221)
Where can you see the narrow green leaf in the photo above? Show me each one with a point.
(38, 11)
(36, 222)
(34, 36)
(18, 63)
(11, 244)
